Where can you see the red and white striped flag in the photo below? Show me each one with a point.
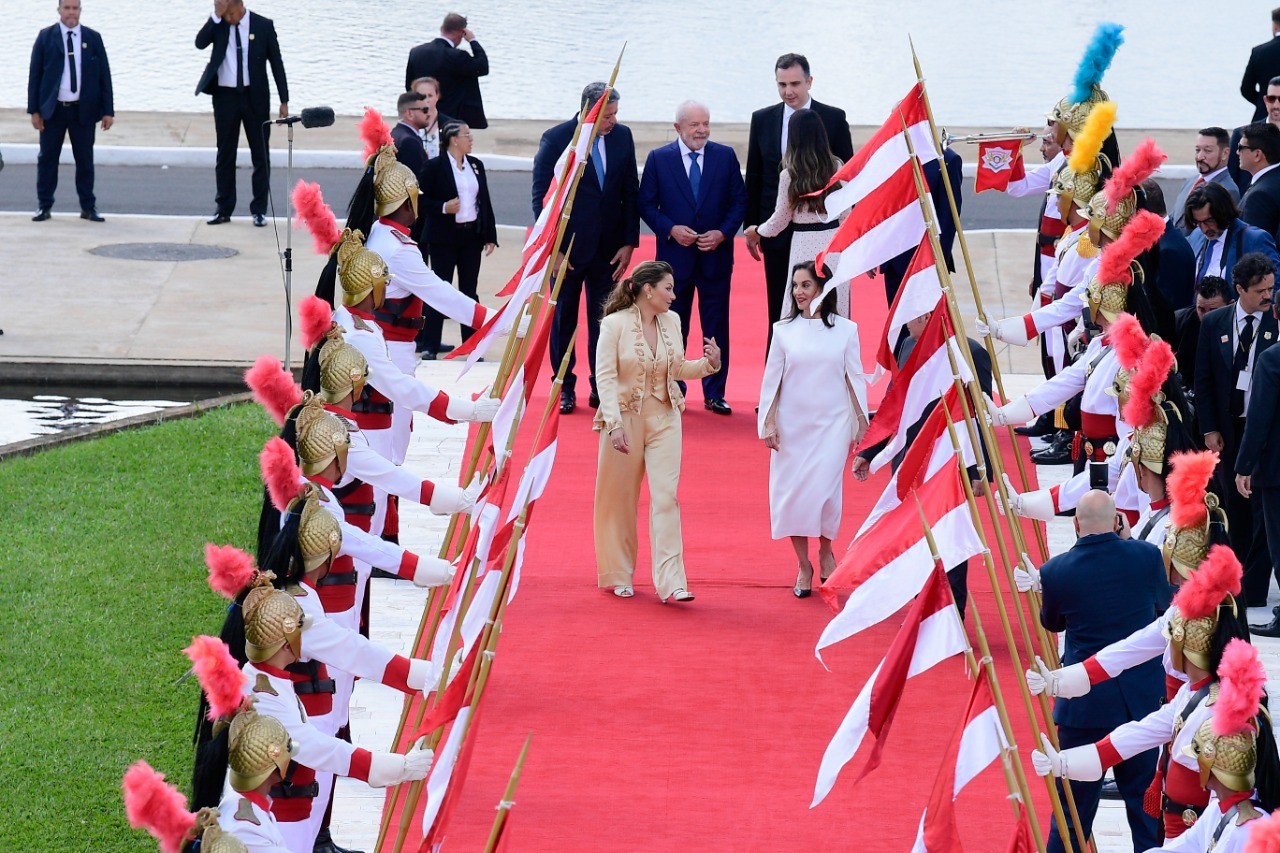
(533, 482)
(887, 564)
(919, 292)
(448, 775)
(884, 153)
(925, 377)
(978, 740)
(886, 223)
(931, 633)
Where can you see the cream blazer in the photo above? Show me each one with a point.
(625, 367)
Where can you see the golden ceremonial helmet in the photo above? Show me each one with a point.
(1110, 224)
(1185, 548)
(1228, 758)
(1192, 638)
(322, 437)
(360, 270)
(1109, 298)
(272, 619)
(393, 182)
(1146, 446)
(343, 370)
(258, 744)
(319, 532)
(1070, 117)
(212, 838)
(1078, 188)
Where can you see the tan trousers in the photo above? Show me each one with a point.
(655, 439)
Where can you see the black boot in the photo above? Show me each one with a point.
(324, 844)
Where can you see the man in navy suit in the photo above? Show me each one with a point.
(766, 143)
(1258, 462)
(1232, 339)
(1176, 276)
(456, 72)
(693, 197)
(1263, 65)
(1221, 237)
(1100, 591)
(1259, 153)
(236, 78)
(604, 227)
(68, 92)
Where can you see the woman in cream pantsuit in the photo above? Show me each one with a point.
(639, 359)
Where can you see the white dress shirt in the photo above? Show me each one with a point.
(227, 70)
(64, 88)
(685, 151)
(431, 140)
(464, 177)
(1262, 172)
(1237, 326)
(787, 112)
(1216, 249)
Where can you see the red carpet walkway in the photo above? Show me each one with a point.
(701, 726)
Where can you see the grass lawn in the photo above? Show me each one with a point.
(103, 585)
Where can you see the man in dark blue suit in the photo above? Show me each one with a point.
(693, 197)
(604, 227)
(1232, 339)
(68, 92)
(1101, 591)
(1176, 276)
(1258, 462)
(1221, 238)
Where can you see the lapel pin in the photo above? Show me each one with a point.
(1224, 339)
(1266, 336)
(251, 36)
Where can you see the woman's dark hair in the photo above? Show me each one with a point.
(827, 307)
(626, 292)
(1222, 207)
(450, 131)
(808, 161)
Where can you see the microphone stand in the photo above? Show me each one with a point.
(288, 252)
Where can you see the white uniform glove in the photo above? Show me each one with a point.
(446, 499)
(1017, 412)
(1027, 579)
(1081, 763)
(477, 411)
(423, 675)
(433, 571)
(1070, 682)
(981, 328)
(390, 768)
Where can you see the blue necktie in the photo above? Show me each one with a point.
(599, 158)
(1204, 260)
(695, 174)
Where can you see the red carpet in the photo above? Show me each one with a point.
(701, 726)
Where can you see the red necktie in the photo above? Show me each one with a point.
(1199, 181)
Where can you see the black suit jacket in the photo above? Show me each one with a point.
(1259, 454)
(458, 74)
(1101, 591)
(263, 48)
(1215, 376)
(764, 154)
(440, 186)
(1264, 63)
(603, 220)
(1176, 278)
(94, 75)
(1260, 205)
(410, 152)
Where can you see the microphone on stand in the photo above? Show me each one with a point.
(310, 117)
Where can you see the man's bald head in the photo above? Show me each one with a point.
(1096, 513)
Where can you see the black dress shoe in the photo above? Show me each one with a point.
(444, 348)
(1271, 629)
(259, 220)
(1110, 790)
(324, 844)
(92, 215)
(428, 355)
(42, 214)
(593, 400)
(718, 406)
(1041, 427)
(219, 219)
(1057, 453)
(568, 402)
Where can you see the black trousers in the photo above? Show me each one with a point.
(1133, 777)
(1247, 528)
(777, 276)
(232, 108)
(1268, 497)
(461, 251)
(713, 317)
(65, 122)
(596, 277)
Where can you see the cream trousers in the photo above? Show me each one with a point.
(654, 437)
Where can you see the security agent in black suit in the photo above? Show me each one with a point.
(1176, 276)
(68, 91)
(236, 77)
(1099, 592)
(604, 227)
(457, 72)
(765, 145)
(1211, 293)
(1232, 339)
(1258, 463)
(1263, 65)
(1259, 153)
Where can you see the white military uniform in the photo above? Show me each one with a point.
(1216, 830)
(247, 818)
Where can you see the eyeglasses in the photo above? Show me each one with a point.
(1271, 99)
(1243, 147)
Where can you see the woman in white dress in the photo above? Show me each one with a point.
(813, 405)
(807, 166)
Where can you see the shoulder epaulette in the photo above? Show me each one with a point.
(245, 812)
(263, 685)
